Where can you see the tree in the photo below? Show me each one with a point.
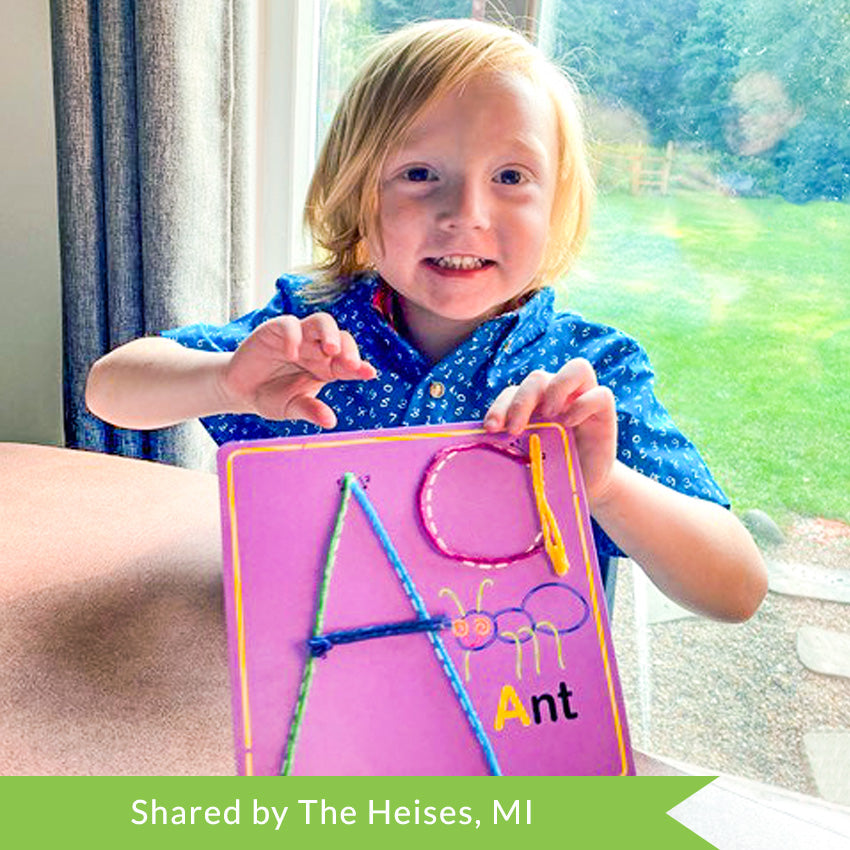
(628, 53)
(814, 163)
(389, 15)
(709, 59)
(805, 46)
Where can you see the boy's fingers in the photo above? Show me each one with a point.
(348, 364)
(525, 400)
(597, 402)
(321, 328)
(367, 371)
(287, 335)
(552, 396)
(495, 418)
(349, 353)
(572, 380)
(364, 372)
(312, 410)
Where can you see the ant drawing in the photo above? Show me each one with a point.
(477, 629)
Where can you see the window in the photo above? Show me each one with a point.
(349, 28)
(308, 51)
(721, 140)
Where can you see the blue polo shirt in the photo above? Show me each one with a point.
(410, 390)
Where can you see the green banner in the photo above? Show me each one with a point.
(209, 812)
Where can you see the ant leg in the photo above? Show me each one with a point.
(518, 643)
(535, 645)
(546, 624)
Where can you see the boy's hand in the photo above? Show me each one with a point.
(572, 397)
(278, 370)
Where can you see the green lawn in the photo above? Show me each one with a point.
(744, 307)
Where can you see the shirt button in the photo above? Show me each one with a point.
(437, 390)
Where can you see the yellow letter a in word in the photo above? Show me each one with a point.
(510, 707)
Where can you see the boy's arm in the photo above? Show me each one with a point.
(154, 382)
(276, 372)
(696, 551)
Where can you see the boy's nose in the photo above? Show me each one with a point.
(465, 206)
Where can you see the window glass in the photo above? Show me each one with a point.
(720, 139)
(349, 28)
(721, 146)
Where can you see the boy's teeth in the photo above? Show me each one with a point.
(459, 262)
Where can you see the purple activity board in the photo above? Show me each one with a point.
(420, 601)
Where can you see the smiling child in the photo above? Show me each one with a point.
(452, 189)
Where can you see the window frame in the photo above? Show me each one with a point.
(289, 53)
(288, 63)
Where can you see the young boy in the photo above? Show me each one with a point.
(452, 188)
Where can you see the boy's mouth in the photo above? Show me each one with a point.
(459, 262)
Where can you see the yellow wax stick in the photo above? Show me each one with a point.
(548, 524)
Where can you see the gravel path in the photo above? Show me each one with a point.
(736, 698)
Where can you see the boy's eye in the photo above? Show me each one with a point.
(509, 176)
(419, 174)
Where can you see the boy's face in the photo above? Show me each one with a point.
(465, 205)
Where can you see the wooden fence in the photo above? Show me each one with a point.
(639, 167)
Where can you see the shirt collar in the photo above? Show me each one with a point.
(383, 302)
(528, 322)
(497, 339)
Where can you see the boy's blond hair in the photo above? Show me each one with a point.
(405, 74)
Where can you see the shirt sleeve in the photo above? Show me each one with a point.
(226, 427)
(227, 337)
(648, 439)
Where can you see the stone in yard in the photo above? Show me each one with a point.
(810, 581)
(828, 752)
(824, 651)
(764, 530)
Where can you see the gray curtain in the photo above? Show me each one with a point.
(155, 108)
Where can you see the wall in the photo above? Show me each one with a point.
(30, 311)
